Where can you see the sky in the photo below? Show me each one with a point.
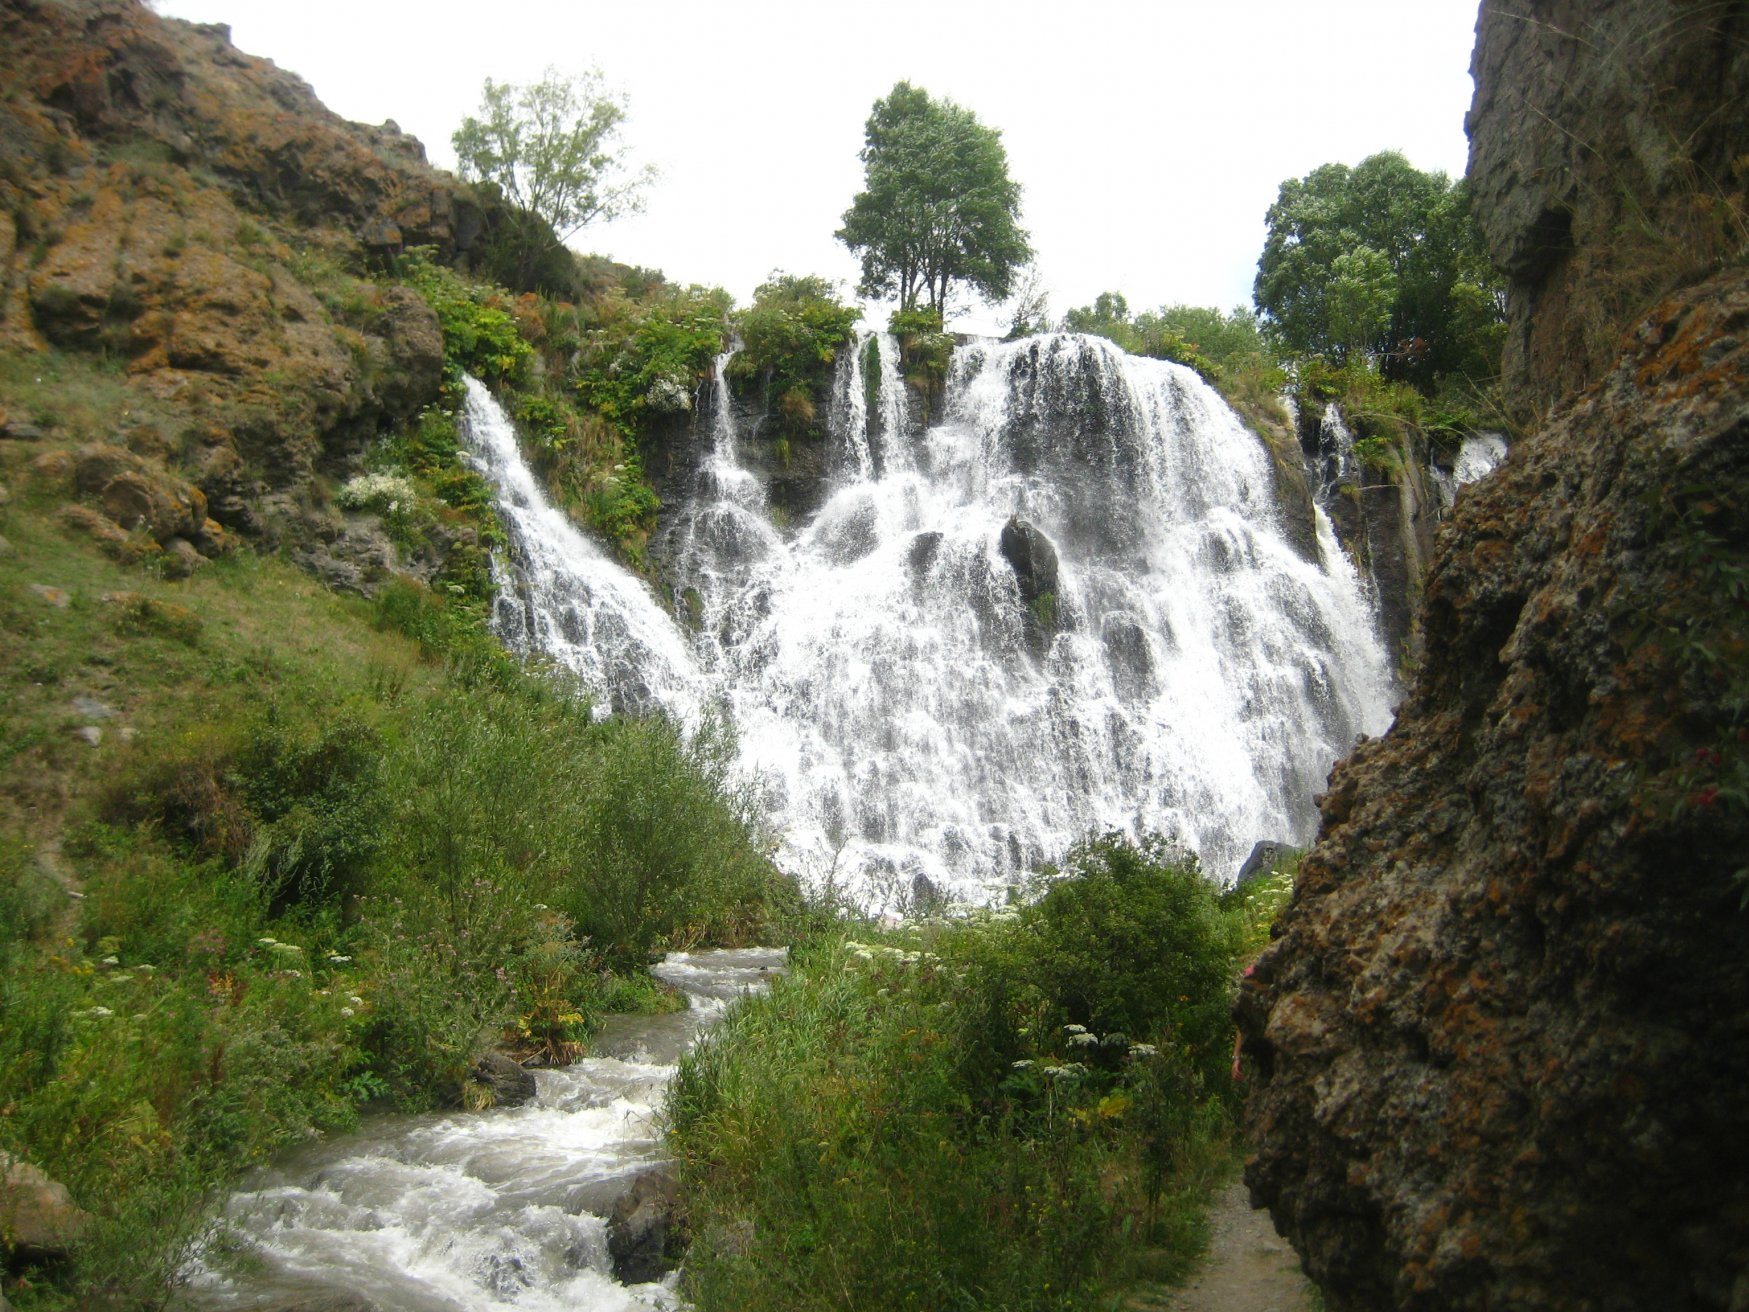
(1149, 136)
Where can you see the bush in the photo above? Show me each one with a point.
(790, 338)
(916, 1120)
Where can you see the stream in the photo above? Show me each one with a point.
(461, 1212)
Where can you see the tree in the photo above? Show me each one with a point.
(1380, 261)
(548, 149)
(939, 206)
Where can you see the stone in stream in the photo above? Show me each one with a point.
(504, 1079)
(646, 1237)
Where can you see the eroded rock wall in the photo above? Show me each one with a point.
(192, 217)
(1500, 1045)
(1609, 160)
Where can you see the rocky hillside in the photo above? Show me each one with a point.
(193, 219)
(1501, 1043)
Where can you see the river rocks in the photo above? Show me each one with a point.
(38, 1218)
(503, 1079)
(1501, 1043)
(646, 1234)
(1606, 144)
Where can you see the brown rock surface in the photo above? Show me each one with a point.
(1502, 1042)
(196, 214)
(1609, 159)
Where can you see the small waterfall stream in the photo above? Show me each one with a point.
(467, 1212)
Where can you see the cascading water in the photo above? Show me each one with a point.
(562, 597)
(474, 1211)
(1479, 456)
(1066, 606)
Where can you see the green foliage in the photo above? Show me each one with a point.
(790, 337)
(1381, 261)
(937, 207)
(547, 147)
(480, 336)
(918, 1119)
(643, 360)
(315, 879)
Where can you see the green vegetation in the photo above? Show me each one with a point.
(1381, 262)
(938, 205)
(790, 338)
(323, 865)
(547, 148)
(1019, 1109)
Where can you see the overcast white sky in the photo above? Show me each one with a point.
(1149, 137)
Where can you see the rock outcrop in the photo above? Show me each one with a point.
(1501, 1041)
(1609, 160)
(196, 218)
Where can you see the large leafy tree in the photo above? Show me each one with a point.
(548, 148)
(938, 206)
(1380, 261)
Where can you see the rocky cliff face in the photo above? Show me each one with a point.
(1609, 160)
(193, 221)
(1501, 1042)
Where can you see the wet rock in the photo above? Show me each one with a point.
(646, 1232)
(1605, 149)
(1032, 556)
(38, 1219)
(504, 1079)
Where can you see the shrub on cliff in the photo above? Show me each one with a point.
(790, 338)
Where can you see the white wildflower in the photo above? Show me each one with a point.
(355, 1000)
(1083, 1040)
(338, 959)
(267, 942)
(1022, 1064)
(112, 961)
(1143, 1050)
(347, 1012)
(1074, 1029)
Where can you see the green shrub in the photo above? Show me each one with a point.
(790, 338)
(919, 1119)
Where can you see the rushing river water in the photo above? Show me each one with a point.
(465, 1212)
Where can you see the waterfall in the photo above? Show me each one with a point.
(561, 597)
(1065, 607)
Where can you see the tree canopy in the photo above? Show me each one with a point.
(548, 147)
(1380, 261)
(938, 205)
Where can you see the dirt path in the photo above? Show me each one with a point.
(1249, 1267)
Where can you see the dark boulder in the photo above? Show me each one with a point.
(504, 1078)
(646, 1231)
(1032, 556)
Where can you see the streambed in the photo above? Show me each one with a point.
(461, 1212)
